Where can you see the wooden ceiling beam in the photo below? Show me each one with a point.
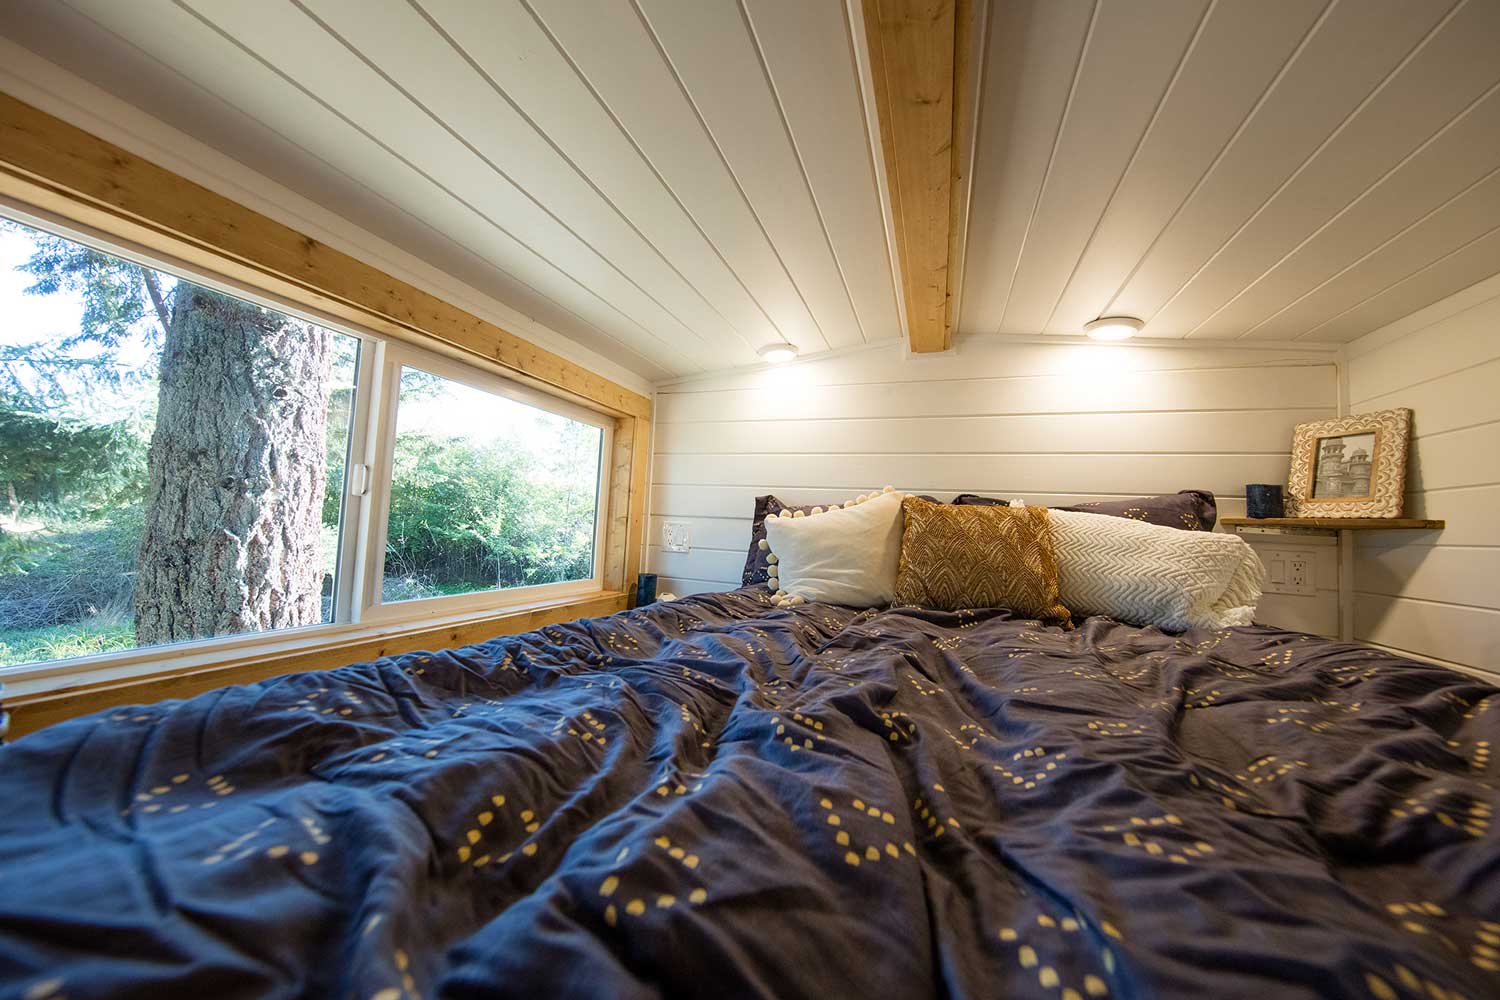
(919, 53)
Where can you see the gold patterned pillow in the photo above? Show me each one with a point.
(979, 557)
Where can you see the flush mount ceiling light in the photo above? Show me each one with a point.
(777, 352)
(1114, 328)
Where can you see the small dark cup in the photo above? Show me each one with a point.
(1263, 500)
(645, 589)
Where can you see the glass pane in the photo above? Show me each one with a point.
(171, 458)
(486, 493)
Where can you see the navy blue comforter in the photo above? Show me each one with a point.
(715, 798)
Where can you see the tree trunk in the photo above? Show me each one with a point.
(236, 474)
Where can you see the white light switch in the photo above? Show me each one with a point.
(675, 536)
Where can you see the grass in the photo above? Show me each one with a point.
(415, 588)
(56, 642)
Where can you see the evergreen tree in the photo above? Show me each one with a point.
(236, 465)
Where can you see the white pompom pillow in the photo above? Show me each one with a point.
(845, 555)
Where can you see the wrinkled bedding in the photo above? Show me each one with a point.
(715, 798)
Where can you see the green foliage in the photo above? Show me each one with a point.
(468, 516)
(72, 487)
(17, 552)
(68, 465)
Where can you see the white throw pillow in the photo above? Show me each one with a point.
(1147, 574)
(845, 555)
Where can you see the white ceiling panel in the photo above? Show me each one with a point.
(674, 184)
(1456, 160)
(1304, 157)
(1241, 50)
(1128, 67)
(531, 242)
(717, 61)
(659, 189)
(800, 42)
(616, 51)
(400, 45)
(1349, 55)
(1451, 249)
(1033, 54)
(1439, 81)
(506, 45)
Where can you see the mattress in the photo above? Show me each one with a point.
(712, 797)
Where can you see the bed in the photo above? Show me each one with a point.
(715, 797)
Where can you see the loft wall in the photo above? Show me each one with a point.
(1052, 423)
(1436, 594)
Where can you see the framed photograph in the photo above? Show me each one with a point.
(1349, 467)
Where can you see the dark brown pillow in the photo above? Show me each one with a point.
(755, 559)
(975, 500)
(1190, 510)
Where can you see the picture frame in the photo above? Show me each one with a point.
(1351, 466)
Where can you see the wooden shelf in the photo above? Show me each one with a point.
(1335, 523)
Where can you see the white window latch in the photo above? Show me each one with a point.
(359, 480)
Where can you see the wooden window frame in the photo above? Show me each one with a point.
(74, 182)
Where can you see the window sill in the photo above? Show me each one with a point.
(52, 692)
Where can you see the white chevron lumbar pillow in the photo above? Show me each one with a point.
(1147, 574)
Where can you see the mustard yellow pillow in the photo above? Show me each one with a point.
(978, 557)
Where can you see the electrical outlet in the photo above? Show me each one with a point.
(1289, 571)
(675, 537)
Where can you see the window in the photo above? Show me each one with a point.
(179, 463)
(487, 492)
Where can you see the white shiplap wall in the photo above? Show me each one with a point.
(1436, 594)
(1055, 423)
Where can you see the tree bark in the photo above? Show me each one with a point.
(236, 473)
(153, 288)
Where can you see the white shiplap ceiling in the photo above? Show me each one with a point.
(1232, 169)
(674, 183)
(671, 184)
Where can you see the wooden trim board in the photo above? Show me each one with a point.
(970, 25)
(641, 459)
(29, 713)
(913, 51)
